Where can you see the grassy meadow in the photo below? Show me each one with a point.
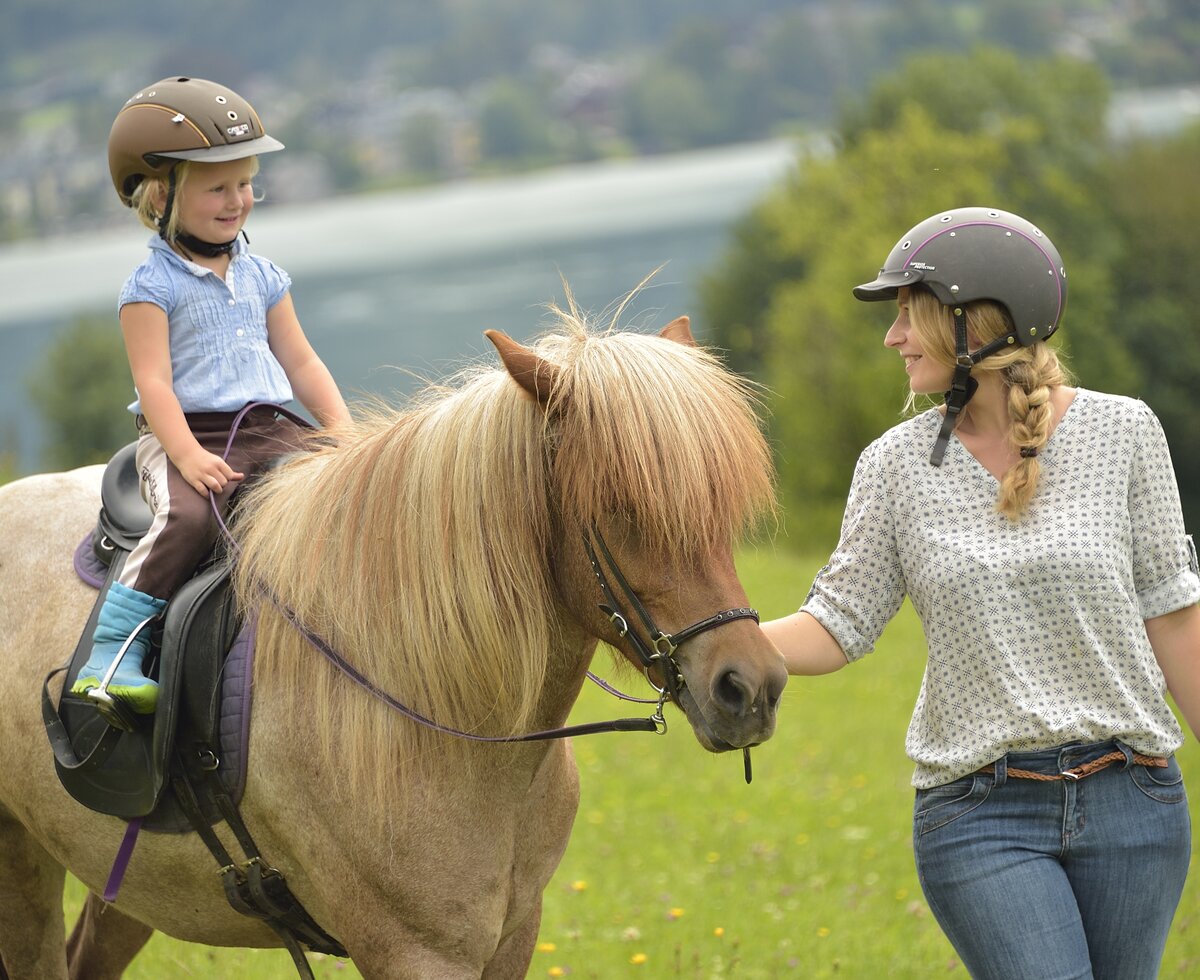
(677, 868)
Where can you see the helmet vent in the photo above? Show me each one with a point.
(906, 245)
(221, 100)
(946, 218)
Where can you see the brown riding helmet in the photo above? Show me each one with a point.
(181, 118)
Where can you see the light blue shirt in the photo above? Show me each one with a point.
(220, 359)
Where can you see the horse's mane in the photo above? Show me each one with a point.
(416, 542)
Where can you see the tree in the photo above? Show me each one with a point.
(513, 123)
(1152, 192)
(82, 388)
(667, 108)
(781, 299)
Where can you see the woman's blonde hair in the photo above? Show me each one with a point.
(1029, 372)
(149, 198)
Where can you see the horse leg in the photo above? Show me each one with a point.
(31, 914)
(516, 949)
(104, 941)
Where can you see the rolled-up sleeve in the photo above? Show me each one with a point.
(1165, 571)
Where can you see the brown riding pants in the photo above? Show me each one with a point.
(184, 528)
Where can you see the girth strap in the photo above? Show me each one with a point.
(254, 888)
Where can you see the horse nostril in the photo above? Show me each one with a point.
(732, 693)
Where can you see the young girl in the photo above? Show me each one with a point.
(1037, 530)
(208, 328)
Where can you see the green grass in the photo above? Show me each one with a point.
(677, 868)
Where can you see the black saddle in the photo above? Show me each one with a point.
(125, 772)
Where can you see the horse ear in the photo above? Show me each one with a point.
(680, 331)
(535, 374)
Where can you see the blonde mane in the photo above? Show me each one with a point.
(418, 544)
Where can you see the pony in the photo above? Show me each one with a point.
(444, 550)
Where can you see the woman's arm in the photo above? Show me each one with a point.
(310, 379)
(144, 327)
(807, 647)
(1175, 638)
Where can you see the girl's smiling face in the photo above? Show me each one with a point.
(926, 375)
(216, 199)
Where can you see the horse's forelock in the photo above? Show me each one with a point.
(660, 431)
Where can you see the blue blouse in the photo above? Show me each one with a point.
(220, 359)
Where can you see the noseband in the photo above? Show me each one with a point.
(656, 649)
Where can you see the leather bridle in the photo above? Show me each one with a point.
(656, 649)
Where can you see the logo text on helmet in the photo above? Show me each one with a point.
(923, 266)
(236, 131)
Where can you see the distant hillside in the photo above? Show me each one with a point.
(456, 39)
(371, 94)
(456, 42)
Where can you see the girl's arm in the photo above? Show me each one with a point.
(1175, 638)
(144, 327)
(311, 381)
(807, 647)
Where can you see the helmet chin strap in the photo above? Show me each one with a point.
(962, 385)
(164, 219)
(212, 250)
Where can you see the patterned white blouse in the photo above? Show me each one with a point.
(1034, 629)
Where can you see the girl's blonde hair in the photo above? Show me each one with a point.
(1029, 372)
(149, 198)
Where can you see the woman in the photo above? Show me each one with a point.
(1037, 530)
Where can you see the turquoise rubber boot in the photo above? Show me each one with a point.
(123, 611)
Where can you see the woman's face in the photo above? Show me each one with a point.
(216, 199)
(926, 376)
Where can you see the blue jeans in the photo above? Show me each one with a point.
(1075, 879)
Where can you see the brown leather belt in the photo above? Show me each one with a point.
(1078, 772)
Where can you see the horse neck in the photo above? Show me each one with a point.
(567, 671)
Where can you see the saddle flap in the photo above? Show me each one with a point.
(131, 777)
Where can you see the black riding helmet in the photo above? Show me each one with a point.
(971, 254)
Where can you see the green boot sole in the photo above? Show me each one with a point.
(141, 698)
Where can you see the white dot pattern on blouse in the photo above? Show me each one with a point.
(1035, 629)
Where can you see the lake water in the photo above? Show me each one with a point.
(392, 285)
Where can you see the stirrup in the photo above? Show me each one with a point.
(115, 710)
